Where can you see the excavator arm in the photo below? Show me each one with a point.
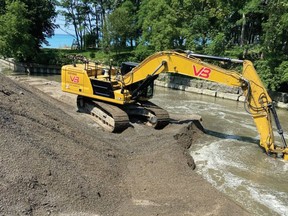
(112, 97)
(258, 102)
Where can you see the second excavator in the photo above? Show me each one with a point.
(114, 96)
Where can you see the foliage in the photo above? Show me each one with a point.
(275, 28)
(282, 70)
(159, 24)
(62, 56)
(25, 24)
(41, 14)
(53, 57)
(133, 29)
(122, 24)
(265, 71)
(217, 45)
(15, 39)
(245, 29)
(141, 52)
(75, 14)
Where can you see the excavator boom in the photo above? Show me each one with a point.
(131, 89)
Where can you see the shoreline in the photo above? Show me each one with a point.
(165, 80)
(154, 178)
(214, 89)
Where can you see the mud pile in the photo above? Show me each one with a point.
(49, 162)
(55, 161)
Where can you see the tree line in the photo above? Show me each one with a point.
(24, 26)
(245, 29)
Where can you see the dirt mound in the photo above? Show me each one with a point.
(55, 161)
(49, 162)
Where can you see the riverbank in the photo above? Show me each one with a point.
(173, 81)
(66, 165)
(204, 87)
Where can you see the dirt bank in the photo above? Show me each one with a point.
(55, 161)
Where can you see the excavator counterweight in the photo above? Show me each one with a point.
(114, 97)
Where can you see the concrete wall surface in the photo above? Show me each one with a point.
(198, 86)
(30, 68)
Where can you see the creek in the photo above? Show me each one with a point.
(229, 156)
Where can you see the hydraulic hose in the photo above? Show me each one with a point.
(277, 122)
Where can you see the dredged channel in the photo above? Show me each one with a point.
(229, 157)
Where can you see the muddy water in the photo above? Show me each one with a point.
(229, 157)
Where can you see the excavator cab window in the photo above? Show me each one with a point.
(147, 92)
(143, 89)
(126, 67)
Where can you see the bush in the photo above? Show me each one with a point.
(141, 52)
(282, 70)
(92, 55)
(267, 73)
(217, 45)
(53, 57)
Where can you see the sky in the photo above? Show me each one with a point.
(62, 28)
(60, 20)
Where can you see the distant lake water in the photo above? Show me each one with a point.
(59, 41)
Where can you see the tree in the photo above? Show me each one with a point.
(42, 14)
(87, 17)
(15, 38)
(2, 7)
(275, 29)
(75, 14)
(158, 21)
(25, 24)
(122, 24)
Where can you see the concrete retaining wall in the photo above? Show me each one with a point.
(9, 63)
(176, 81)
(30, 68)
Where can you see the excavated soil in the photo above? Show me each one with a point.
(56, 161)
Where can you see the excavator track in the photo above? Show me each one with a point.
(114, 119)
(109, 117)
(162, 115)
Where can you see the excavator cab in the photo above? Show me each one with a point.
(126, 67)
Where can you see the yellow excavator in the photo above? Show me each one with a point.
(114, 96)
